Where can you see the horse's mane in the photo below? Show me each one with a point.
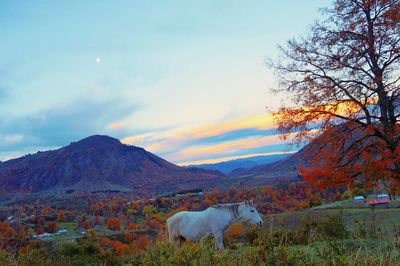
(226, 205)
(233, 207)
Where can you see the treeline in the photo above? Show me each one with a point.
(123, 221)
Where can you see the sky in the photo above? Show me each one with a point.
(186, 80)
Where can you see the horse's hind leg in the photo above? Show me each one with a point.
(171, 237)
(172, 231)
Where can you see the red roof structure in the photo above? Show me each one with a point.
(377, 201)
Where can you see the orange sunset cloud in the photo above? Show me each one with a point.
(227, 147)
(172, 139)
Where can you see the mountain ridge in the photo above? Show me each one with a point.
(227, 167)
(99, 163)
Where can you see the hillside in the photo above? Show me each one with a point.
(245, 163)
(266, 174)
(99, 163)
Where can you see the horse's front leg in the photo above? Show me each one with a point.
(219, 240)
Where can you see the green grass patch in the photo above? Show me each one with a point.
(386, 220)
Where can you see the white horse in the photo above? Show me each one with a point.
(215, 220)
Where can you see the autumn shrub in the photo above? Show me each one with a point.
(86, 224)
(273, 246)
(251, 235)
(23, 250)
(6, 258)
(235, 230)
(121, 248)
(35, 255)
(91, 233)
(306, 233)
(128, 237)
(114, 224)
(6, 231)
(130, 227)
(159, 254)
(332, 227)
(187, 254)
(90, 252)
(149, 210)
(346, 195)
(153, 224)
(142, 242)
(204, 253)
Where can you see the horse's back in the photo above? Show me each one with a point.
(188, 224)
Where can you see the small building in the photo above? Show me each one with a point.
(359, 199)
(383, 196)
(97, 227)
(44, 235)
(62, 232)
(379, 203)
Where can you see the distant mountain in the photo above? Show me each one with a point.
(286, 169)
(245, 163)
(99, 163)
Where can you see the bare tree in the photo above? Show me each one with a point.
(343, 78)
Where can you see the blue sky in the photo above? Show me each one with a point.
(168, 71)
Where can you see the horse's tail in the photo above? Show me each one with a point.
(170, 224)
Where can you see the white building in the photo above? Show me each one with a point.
(359, 199)
(383, 196)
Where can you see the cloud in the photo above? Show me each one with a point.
(224, 149)
(176, 139)
(228, 139)
(261, 122)
(11, 139)
(61, 125)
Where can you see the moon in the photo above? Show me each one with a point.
(98, 60)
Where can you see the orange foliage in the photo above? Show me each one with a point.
(114, 224)
(121, 248)
(6, 231)
(128, 237)
(143, 242)
(235, 230)
(153, 224)
(105, 241)
(91, 232)
(114, 246)
(61, 217)
(87, 224)
(52, 227)
(23, 250)
(39, 230)
(133, 227)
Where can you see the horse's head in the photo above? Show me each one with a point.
(250, 214)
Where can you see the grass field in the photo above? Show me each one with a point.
(355, 217)
(349, 204)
